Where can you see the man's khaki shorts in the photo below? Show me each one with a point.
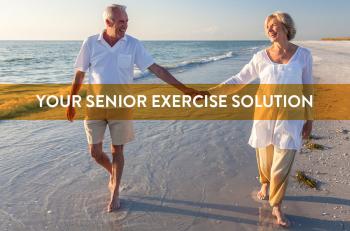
(121, 131)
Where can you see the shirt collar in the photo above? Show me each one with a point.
(100, 37)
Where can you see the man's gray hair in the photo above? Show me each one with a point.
(108, 12)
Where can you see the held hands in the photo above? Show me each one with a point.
(193, 92)
(190, 91)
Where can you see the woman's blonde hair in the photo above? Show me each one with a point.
(286, 21)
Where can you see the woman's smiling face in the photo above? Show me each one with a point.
(276, 30)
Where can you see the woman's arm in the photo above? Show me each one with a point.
(237, 82)
(308, 91)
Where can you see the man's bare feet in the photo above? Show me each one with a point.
(281, 219)
(114, 203)
(262, 194)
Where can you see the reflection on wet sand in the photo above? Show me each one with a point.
(266, 220)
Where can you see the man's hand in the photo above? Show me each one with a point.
(307, 129)
(203, 94)
(70, 113)
(193, 92)
(190, 91)
(76, 85)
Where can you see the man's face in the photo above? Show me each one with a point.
(120, 23)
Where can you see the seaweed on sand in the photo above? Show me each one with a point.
(314, 146)
(303, 179)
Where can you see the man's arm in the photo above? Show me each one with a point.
(165, 75)
(76, 85)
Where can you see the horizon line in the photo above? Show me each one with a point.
(152, 40)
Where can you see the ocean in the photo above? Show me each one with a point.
(52, 61)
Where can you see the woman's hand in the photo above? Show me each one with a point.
(307, 129)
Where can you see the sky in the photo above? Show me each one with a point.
(171, 19)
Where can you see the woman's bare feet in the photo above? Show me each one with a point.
(281, 219)
(262, 194)
(114, 203)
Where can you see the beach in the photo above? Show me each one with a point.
(178, 175)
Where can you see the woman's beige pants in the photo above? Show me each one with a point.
(274, 166)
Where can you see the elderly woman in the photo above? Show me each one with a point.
(276, 141)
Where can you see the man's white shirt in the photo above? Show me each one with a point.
(112, 65)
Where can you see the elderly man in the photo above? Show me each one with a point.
(110, 57)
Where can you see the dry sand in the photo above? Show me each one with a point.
(179, 175)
